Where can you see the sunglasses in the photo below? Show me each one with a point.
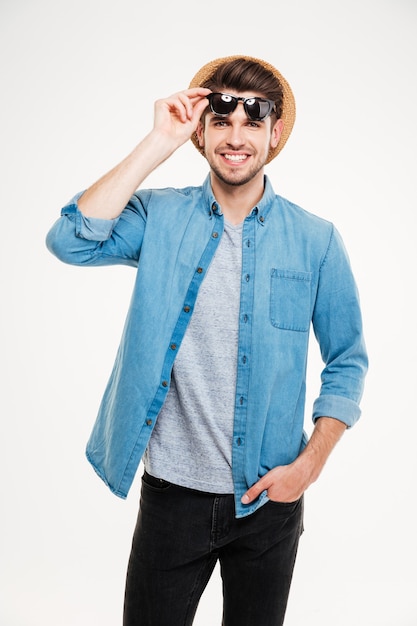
(223, 104)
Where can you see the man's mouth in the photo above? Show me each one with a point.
(235, 158)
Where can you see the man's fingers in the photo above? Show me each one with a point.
(186, 103)
(254, 491)
(197, 92)
(191, 98)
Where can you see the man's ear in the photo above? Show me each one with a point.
(199, 131)
(276, 133)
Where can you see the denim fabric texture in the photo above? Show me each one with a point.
(295, 275)
(181, 534)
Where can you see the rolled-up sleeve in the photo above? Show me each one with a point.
(337, 323)
(80, 240)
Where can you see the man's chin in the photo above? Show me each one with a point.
(235, 177)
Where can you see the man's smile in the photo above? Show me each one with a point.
(236, 158)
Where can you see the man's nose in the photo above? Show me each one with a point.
(236, 129)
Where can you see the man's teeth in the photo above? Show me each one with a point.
(235, 157)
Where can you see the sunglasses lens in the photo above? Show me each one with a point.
(221, 103)
(257, 108)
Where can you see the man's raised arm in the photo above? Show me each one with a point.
(175, 119)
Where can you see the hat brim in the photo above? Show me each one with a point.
(288, 101)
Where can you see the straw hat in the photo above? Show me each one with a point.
(288, 101)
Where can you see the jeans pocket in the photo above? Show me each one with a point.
(285, 506)
(290, 299)
(155, 484)
(288, 510)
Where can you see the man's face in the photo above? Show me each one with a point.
(235, 146)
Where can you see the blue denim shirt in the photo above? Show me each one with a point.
(295, 273)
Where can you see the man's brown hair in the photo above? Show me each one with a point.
(245, 75)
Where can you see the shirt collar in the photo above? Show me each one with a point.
(210, 200)
(261, 210)
(266, 202)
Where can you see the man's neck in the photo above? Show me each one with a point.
(237, 201)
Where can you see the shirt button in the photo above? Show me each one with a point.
(262, 219)
(186, 309)
(245, 318)
(244, 359)
(215, 235)
(164, 383)
(199, 270)
(239, 441)
(241, 400)
(247, 277)
(149, 422)
(173, 346)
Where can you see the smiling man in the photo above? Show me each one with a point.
(235, 145)
(208, 386)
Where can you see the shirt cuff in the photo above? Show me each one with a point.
(339, 407)
(90, 228)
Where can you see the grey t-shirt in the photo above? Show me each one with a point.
(191, 444)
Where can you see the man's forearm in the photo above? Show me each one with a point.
(108, 197)
(325, 436)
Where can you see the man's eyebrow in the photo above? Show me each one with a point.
(221, 118)
(215, 117)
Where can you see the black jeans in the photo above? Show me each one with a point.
(180, 535)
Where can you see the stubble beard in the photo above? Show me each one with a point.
(235, 178)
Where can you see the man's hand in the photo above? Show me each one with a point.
(287, 483)
(177, 116)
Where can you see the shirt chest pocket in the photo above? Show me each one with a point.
(290, 299)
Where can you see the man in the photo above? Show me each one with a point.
(208, 386)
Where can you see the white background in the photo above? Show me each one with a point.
(78, 81)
